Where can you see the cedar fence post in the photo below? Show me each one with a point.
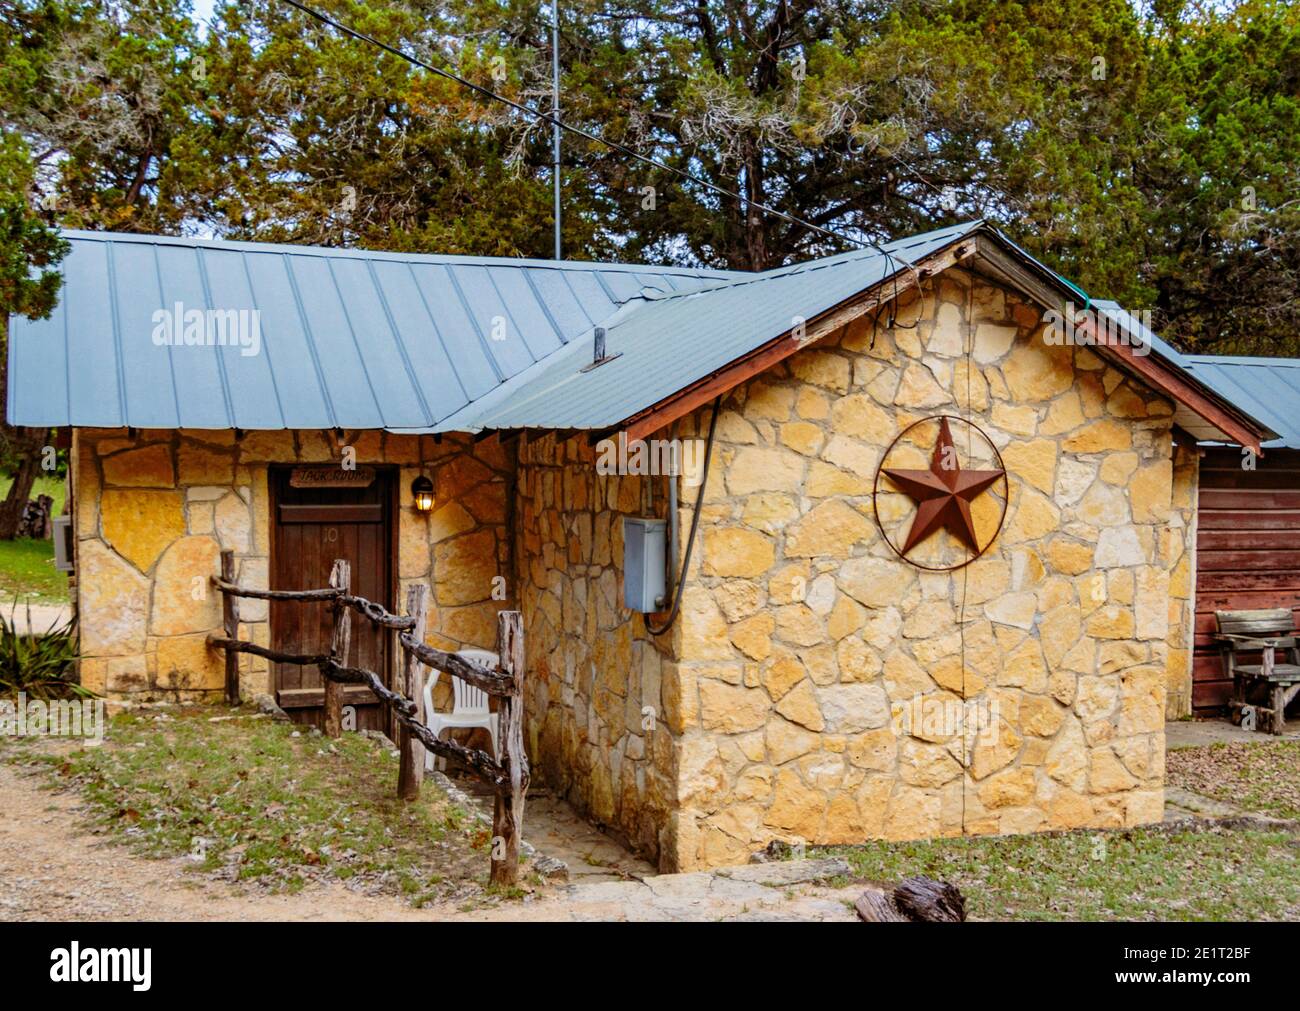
(230, 621)
(340, 579)
(508, 814)
(411, 774)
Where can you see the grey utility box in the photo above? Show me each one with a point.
(63, 543)
(644, 551)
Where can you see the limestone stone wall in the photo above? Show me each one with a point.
(466, 537)
(1181, 552)
(593, 669)
(805, 638)
(155, 509)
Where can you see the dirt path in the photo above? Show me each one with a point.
(51, 868)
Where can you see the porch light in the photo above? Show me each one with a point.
(422, 492)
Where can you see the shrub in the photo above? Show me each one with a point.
(38, 664)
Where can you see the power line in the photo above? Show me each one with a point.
(558, 124)
(555, 129)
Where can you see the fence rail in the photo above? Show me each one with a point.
(507, 774)
(500, 685)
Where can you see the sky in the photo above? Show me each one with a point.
(203, 10)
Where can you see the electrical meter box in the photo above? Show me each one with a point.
(644, 554)
(63, 543)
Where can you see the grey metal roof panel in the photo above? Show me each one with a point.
(365, 339)
(1135, 326)
(1269, 388)
(349, 338)
(667, 343)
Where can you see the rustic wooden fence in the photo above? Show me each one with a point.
(507, 774)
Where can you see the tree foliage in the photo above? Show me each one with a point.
(29, 248)
(1150, 154)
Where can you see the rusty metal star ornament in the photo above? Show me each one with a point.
(943, 494)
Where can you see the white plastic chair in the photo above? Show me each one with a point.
(469, 704)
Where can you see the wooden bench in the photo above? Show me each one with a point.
(1275, 684)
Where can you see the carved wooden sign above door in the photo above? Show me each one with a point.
(327, 476)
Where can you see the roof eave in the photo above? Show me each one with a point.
(1024, 272)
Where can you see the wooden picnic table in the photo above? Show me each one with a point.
(1275, 684)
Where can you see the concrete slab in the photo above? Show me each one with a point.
(1199, 733)
(1184, 803)
(43, 617)
(752, 893)
(788, 872)
(606, 882)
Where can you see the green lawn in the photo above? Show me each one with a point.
(1203, 871)
(1151, 874)
(27, 566)
(268, 803)
(27, 572)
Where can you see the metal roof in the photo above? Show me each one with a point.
(667, 343)
(1268, 387)
(349, 338)
(1134, 326)
(365, 339)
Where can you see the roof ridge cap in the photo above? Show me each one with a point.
(823, 262)
(358, 252)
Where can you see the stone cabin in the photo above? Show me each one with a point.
(815, 683)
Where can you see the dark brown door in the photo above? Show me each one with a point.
(313, 526)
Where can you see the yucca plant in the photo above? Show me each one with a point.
(39, 665)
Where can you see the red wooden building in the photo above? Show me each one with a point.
(1248, 522)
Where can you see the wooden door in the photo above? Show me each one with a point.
(314, 525)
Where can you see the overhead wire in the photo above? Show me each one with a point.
(539, 115)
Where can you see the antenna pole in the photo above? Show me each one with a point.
(555, 113)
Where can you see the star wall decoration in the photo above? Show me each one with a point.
(943, 494)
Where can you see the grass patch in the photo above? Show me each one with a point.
(27, 565)
(27, 572)
(1259, 776)
(271, 804)
(1199, 873)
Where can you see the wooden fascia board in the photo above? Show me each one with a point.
(1163, 376)
(1167, 378)
(686, 400)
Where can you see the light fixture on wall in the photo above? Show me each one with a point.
(422, 492)
(422, 487)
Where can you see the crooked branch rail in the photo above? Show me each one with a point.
(458, 666)
(404, 711)
(376, 613)
(327, 594)
(507, 774)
